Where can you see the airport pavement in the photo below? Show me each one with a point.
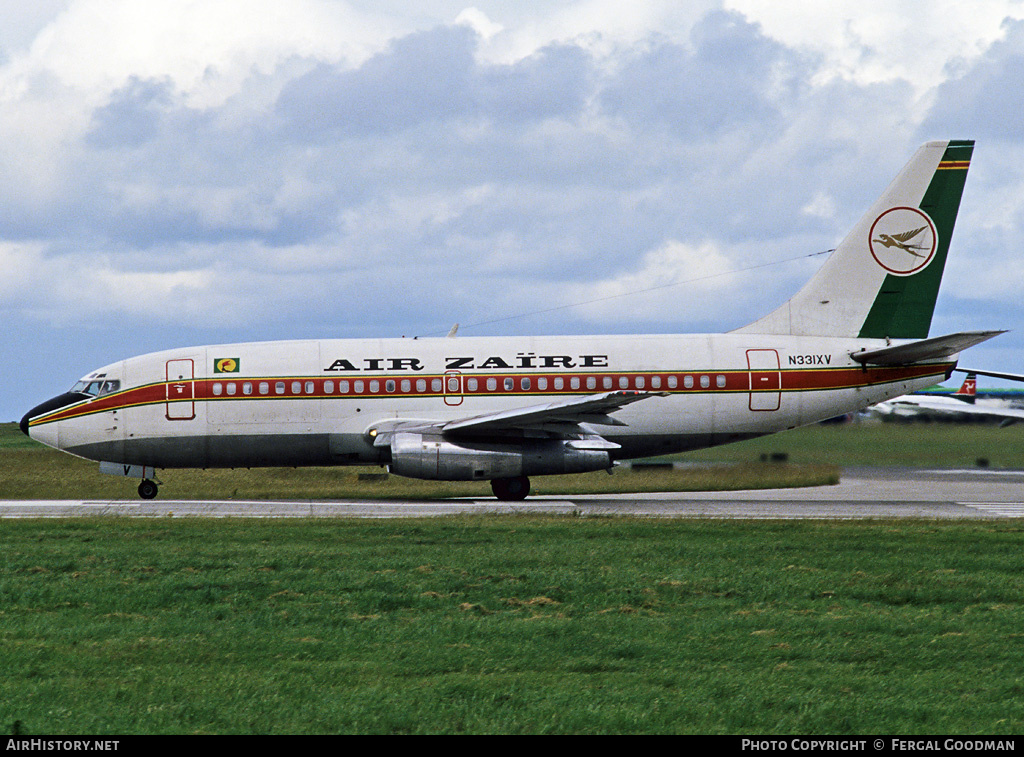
(861, 493)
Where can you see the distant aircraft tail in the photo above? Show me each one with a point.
(968, 391)
(883, 279)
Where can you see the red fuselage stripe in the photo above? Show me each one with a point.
(540, 385)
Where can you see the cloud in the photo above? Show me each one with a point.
(421, 78)
(654, 285)
(205, 47)
(238, 168)
(132, 115)
(432, 78)
(729, 76)
(23, 21)
(876, 41)
(986, 99)
(428, 157)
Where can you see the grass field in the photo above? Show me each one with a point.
(516, 624)
(510, 625)
(872, 443)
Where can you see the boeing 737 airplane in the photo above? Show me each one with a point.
(961, 404)
(932, 402)
(503, 409)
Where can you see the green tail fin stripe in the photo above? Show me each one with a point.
(905, 303)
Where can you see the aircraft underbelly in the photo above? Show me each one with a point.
(204, 451)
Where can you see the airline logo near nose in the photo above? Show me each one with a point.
(226, 365)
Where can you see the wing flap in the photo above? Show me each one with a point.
(591, 409)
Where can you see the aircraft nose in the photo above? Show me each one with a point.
(55, 403)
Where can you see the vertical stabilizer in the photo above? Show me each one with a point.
(883, 279)
(969, 390)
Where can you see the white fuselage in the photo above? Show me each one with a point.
(313, 402)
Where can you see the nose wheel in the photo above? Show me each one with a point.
(147, 489)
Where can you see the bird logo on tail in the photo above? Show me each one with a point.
(903, 240)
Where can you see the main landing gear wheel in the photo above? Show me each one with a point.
(147, 489)
(511, 489)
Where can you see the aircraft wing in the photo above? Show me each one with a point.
(593, 409)
(562, 418)
(924, 349)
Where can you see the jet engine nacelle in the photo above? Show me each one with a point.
(436, 458)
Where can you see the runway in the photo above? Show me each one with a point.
(862, 493)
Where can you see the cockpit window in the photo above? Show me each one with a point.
(96, 388)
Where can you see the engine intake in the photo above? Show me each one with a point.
(436, 458)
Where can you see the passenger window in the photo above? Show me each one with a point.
(328, 387)
(559, 383)
(359, 386)
(374, 386)
(218, 389)
(591, 382)
(542, 384)
(279, 387)
(492, 384)
(720, 381)
(509, 384)
(435, 385)
(421, 385)
(524, 384)
(232, 388)
(705, 382)
(310, 387)
(574, 382)
(655, 382)
(472, 384)
(247, 387)
(296, 387)
(389, 386)
(406, 385)
(264, 387)
(343, 386)
(640, 382)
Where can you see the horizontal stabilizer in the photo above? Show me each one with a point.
(993, 374)
(935, 348)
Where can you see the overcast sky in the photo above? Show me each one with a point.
(181, 172)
